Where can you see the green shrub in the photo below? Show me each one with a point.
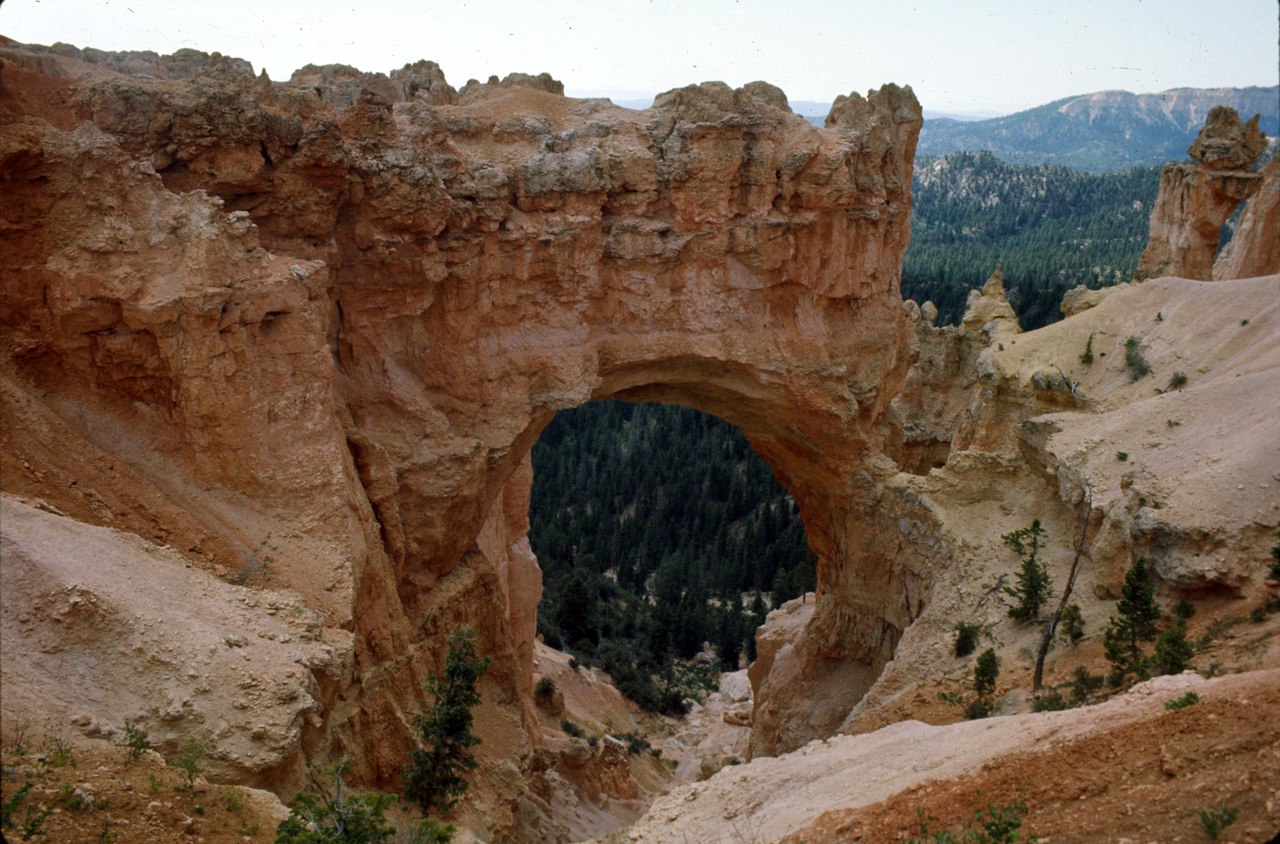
(991, 825)
(571, 729)
(1071, 624)
(1084, 684)
(1213, 821)
(1189, 699)
(966, 638)
(1274, 572)
(135, 741)
(190, 762)
(1133, 359)
(636, 743)
(350, 819)
(545, 689)
(1184, 609)
(433, 777)
(1050, 701)
(1122, 456)
(1177, 381)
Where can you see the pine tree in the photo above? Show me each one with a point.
(1034, 584)
(433, 776)
(1135, 626)
(1173, 651)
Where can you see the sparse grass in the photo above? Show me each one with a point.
(1213, 821)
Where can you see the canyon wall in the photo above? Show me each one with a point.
(234, 311)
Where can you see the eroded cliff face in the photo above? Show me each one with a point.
(231, 309)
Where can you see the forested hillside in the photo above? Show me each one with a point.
(1048, 228)
(1103, 132)
(654, 524)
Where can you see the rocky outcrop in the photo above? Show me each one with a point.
(475, 90)
(1196, 199)
(250, 312)
(341, 85)
(1254, 249)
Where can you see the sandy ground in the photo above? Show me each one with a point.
(1124, 753)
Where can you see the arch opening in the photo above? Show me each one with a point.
(659, 530)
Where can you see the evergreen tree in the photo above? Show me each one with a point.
(985, 673)
(433, 778)
(1173, 652)
(1135, 625)
(1033, 581)
(577, 613)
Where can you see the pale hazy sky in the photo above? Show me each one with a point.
(958, 55)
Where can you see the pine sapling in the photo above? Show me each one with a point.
(1034, 584)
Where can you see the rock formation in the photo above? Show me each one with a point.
(1254, 249)
(233, 310)
(1196, 199)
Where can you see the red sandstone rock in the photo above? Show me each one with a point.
(348, 327)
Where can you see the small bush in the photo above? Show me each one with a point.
(1086, 357)
(1177, 381)
(1213, 821)
(190, 762)
(1176, 703)
(1084, 685)
(1122, 456)
(1134, 362)
(977, 709)
(636, 743)
(574, 664)
(992, 825)
(1072, 624)
(1184, 609)
(545, 689)
(135, 741)
(1258, 616)
(56, 748)
(1050, 701)
(571, 729)
(1274, 572)
(593, 740)
(966, 638)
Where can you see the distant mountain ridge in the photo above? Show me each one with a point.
(1102, 132)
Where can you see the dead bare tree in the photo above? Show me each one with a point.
(1052, 626)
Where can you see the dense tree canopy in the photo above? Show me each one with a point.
(1047, 228)
(654, 524)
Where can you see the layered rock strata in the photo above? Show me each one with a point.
(1196, 199)
(236, 310)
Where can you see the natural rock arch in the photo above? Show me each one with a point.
(441, 280)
